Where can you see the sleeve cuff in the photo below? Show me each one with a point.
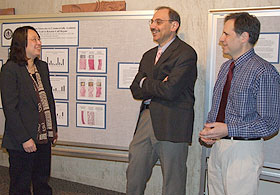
(141, 82)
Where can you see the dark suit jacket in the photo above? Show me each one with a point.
(172, 102)
(20, 103)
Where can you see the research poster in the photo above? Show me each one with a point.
(57, 59)
(91, 115)
(126, 74)
(91, 88)
(62, 33)
(62, 115)
(91, 60)
(60, 86)
(268, 47)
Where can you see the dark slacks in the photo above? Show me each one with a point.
(26, 168)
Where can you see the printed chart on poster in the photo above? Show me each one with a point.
(91, 88)
(91, 60)
(57, 59)
(62, 115)
(60, 86)
(91, 115)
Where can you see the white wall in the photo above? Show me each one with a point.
(194, 15)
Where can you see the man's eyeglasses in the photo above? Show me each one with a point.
(158, 21)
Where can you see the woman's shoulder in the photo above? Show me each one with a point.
(10, 62)
(10, 65)
(42, 63)
(42, 66)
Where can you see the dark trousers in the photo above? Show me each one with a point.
(26, 168)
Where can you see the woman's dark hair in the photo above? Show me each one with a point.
(19, 44)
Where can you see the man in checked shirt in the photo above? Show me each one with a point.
(251, 111)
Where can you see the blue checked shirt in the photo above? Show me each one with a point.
(253, 107)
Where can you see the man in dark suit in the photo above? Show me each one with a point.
(165, 82)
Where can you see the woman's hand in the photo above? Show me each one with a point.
(29, 146)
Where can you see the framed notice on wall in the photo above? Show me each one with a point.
(268, 47)
(126, 73)
(52, 33)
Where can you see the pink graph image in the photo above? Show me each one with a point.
(98, 89)
(91, 62)
(83, 89)
(90, 89)
(83, 62)
(99, 64)
(90, 116)
(82, 117)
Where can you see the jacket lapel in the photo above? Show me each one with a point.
(29, 84)
(166, 54)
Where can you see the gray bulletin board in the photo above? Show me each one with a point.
(270, 24)
(125, 36)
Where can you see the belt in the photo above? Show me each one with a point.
(242, 138)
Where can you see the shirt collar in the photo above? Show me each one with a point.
(166, 45)
(245, 57)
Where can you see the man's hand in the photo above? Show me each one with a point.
(208, 141)
(29, 146)
(213, 131)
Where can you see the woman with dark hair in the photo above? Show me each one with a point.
(29, 109)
